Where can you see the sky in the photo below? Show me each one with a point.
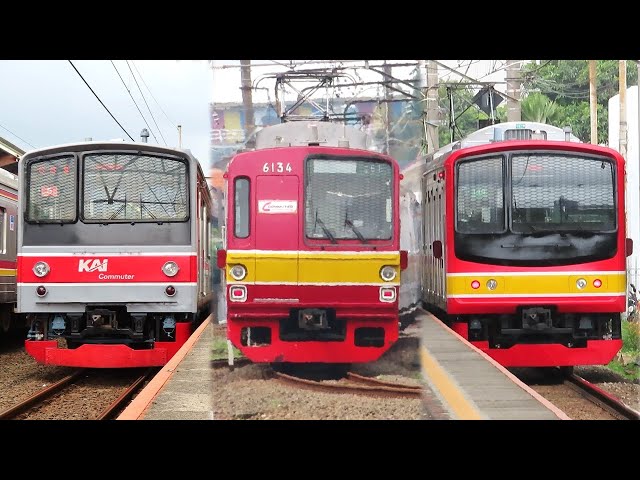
(45, 102)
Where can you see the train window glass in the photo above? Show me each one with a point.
(207, 220)
(241, 207)
(480, 197)
(134, 187)
(52, 193)
(551, 191)
(348, 198)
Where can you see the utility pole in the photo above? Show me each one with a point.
(247, 100)
(593, 102)
(433, 109)
(179, 136)
(623, 107)
(386, 68)
(514, 82)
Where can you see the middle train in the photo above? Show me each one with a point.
(312, 255)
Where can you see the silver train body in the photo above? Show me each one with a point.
(113, 245)
(8, 216)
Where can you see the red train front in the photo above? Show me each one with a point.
(313, 260)
(113, 253)
(526, 247)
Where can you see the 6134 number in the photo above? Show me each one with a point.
(276, 167)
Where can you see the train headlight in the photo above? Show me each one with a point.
(581, 283)
(387, 273)
(492, 284)
(41, 269)
(238, 272)
(170, 269)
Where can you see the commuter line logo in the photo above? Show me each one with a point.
(277, 206)
(94, 265)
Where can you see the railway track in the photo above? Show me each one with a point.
(353, 384)
(577, 397)
(36, 401)
(604, 400)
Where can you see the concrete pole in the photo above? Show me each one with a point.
(433, 109)
(247, 98)
(386, 68)
(514, 82)
(623, 107)
(593, 102)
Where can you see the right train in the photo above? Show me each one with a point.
(523, 246)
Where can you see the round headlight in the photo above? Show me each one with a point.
(387, 273)
(238, 272)
(170, 269)
(41, 269)
(581, 283)
(492, 284)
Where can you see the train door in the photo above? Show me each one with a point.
(439, 268)
(203, 253)
(277, 230)
(433, 274)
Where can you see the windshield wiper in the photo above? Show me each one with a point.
(350, 224)
(326, 231)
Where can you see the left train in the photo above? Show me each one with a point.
(8, 210)
(113, 253)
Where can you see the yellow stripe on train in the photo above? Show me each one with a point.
(311, 267)
(7, 272)
(505, 284)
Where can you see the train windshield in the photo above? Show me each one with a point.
(536, 208)
(561, 192)
(129, 187)
(347, 198)
(481, 196)
(51, 195)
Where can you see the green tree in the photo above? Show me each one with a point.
(566, 83)
(537, 107)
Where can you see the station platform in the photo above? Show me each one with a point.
(464, 383)
(182, 388)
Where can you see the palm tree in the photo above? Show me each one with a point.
(537, 107)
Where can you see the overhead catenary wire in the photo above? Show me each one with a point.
(101, 102)
(133, 99)
(21, 139)
(152, 95)
(145, 102)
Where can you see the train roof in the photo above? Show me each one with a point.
(515, 131)
(107, 144)
(306, 132)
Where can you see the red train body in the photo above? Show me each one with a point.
(312, 255)
(526, 247)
